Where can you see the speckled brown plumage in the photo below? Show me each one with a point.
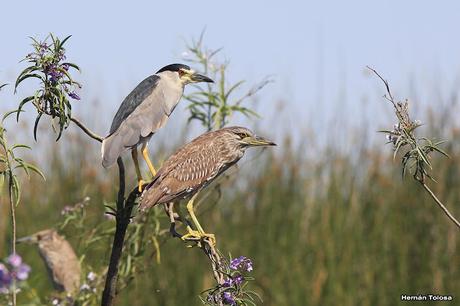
(60, 259)
(196, 165)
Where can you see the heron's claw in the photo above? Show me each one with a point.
(174, 233)
(197, 236)
(140, 184)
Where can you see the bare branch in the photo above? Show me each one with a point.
(391, 99)
(446, 211)
(86, 130)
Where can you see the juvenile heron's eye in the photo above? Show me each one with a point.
(242, 135)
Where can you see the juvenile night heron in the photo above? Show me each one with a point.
(60, 259)
(195, 166)
(144, 111)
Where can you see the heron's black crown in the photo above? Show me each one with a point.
(174, 67)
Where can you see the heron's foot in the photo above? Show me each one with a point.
(140, 184)
(197, 236)
(174, 233)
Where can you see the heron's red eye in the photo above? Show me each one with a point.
(181, 72)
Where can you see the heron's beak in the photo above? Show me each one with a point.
(258, 141)
(197, 78)
(28, 239)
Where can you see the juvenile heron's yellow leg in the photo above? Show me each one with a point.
(145, 154)
(201, 232)
(140, 181)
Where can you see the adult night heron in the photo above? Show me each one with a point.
(144, 111)
(60, 259)
(195, 166)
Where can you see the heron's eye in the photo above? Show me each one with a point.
(243, 135)
(181, 73)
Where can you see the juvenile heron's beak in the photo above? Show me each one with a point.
(28, 239)
(197, 78)
(258, 141)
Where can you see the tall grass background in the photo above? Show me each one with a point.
(325, 224)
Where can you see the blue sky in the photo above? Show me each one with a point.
(316, 51)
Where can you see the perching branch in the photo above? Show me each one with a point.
(122, 217)
(86, 130)
(216, 263)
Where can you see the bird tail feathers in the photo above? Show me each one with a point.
(111, 149)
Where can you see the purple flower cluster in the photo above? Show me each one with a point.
(231, 291)
(50, 60)
(228, 298)
(241, 263)
(68, 209)
(394, 135)
(233, 280)
(14, 269)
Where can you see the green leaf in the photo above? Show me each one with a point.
(35, 169)
(23, 167)
(72, 65)
(3, 85)
(7, 114)
(32, 75)
(423, 156)
(233, 88)
(37, 120)
(21, 105)
(18, 146)
(439, 151)
(16, 189)
(64, 40)
(28, 70)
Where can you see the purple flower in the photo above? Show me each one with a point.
(73, 95)
(241, 262)
(22, 272)
(67, 209)
(55, 75)
(233, 280)
(91, 276)
(238, 280)
(5, 279)
(14, 260)
(228, 282)
(65, 67)
(228, 299)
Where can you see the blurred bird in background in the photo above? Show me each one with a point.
(60, 259)
(144, 111)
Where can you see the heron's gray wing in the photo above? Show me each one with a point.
(146, 118)
(136, 97)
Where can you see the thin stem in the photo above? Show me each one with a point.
(86, 130)
(446, 211)
(13, 222)
(216, 263)
(11, 183)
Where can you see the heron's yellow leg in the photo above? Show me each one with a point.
(201, 232)
(140, 181)
(145, 154)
